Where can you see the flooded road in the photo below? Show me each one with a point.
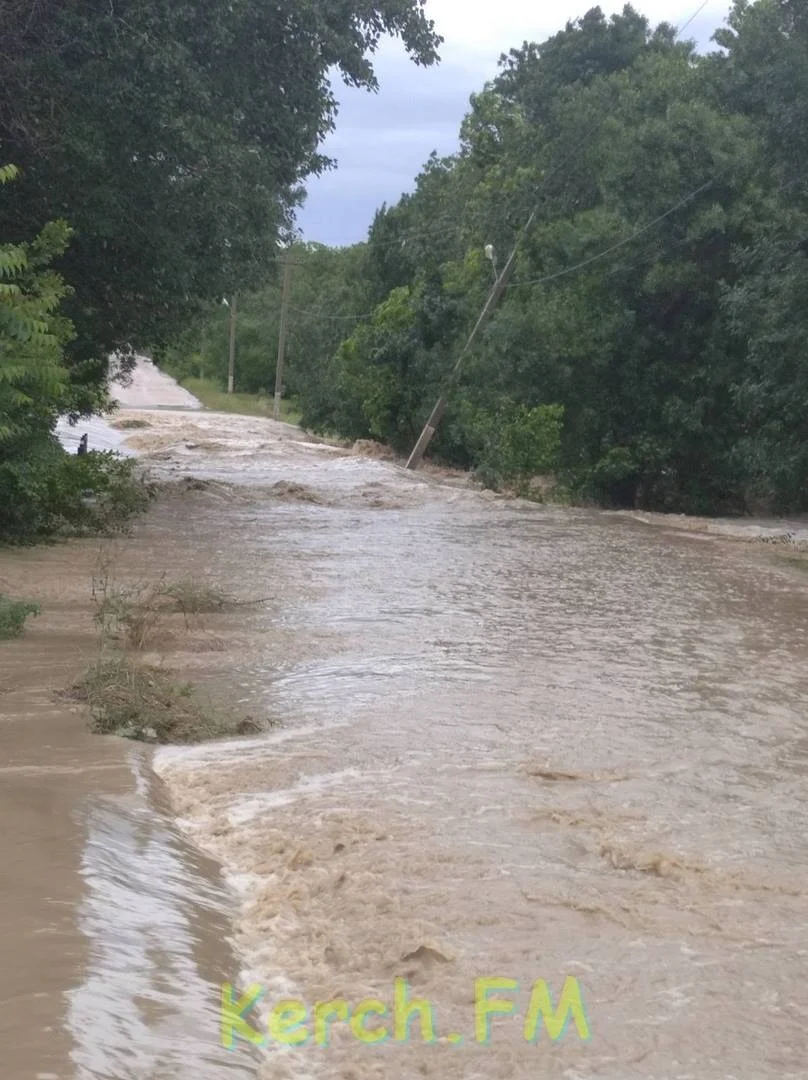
(514, 741)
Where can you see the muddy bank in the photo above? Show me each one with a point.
(114, 928)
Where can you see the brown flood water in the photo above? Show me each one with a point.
(514, 741)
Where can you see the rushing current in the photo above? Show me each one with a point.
(549, 746)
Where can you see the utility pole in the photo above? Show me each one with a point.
(287, 275)
(435, 417)
(231, 364)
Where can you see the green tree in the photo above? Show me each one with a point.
(33, 380)
(41, 487)
(764, 72)
(650, 343)
(174, 137)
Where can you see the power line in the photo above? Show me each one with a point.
(547, 277)
(501, 282)
(613, 247)
(432, 233)
(692, 17)
(497, 290)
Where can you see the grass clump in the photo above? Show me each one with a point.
(213, 397)
(137, 701)
(135, 612)
(13, 614)
(194, 597)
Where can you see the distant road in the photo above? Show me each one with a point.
(150, 388)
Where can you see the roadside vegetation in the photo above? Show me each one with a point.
(655, 316)
(118, 221)
(215, 397)
(13, 615)
(145, 702)
(133, 614)
(44, 491)
(126, 692)
(648, 350)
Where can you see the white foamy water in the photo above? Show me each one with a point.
(143, 1010)
(148, 387)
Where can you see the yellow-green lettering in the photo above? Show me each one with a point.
(363, 1009)
(233, 1021)
(555, 1020)
(485, 1007)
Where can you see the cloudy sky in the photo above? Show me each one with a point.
(383, 139)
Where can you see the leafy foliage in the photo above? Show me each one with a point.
(650, 346)
(159, 152)
(42, 489)
(174, 137)
(517, 443)
(13, 614)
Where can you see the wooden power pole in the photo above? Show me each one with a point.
(435, 417)
(287, 274)
(231, 363)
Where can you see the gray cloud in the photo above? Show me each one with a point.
(382, 140)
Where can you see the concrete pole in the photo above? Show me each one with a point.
(287, 275)
(231, 363)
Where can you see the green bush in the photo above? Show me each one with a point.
(43, 490)
(46, 492)
(13, 614)
(515, 443)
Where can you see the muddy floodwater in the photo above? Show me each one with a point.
(507, 740)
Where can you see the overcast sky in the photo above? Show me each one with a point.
(383, 139)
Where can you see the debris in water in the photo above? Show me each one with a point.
(369, 448)
(287, 489)
(650, 863)
(555, 774)
(426, 954)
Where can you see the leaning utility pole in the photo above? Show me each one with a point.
(231, 364)
(287, 276)
(435, 417)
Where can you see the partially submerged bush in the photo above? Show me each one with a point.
(194, 597)
(140, 702)
(135, 611)
(129, 611)
(48, 492)
(515, 443)
(98, 492)
(13, 614)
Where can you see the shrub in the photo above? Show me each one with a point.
(13, 614)
(514, 443)
(141, 702)
(136, 611)
(46, 492)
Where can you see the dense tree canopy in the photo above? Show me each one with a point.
(649, 346)
(658, 296)
(173, 136)
(167, 141)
